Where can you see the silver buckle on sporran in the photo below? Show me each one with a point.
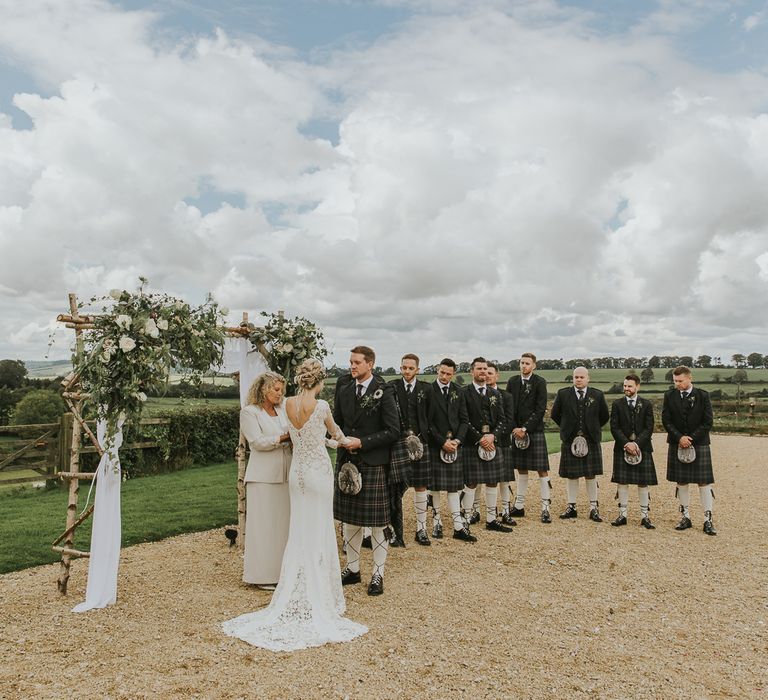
(633, 459)
(449, 457)
(350, 479)
(414, 447)
(686, 455)
(579, 446)
(485, 455)
(523, 443)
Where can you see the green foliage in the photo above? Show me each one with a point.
(38, 406)
(646, 376)
(136, 342)
(286, 342)
(12, 373)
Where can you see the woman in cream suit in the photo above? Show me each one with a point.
(264, 424)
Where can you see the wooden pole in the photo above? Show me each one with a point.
(242, 463)
(74, 467)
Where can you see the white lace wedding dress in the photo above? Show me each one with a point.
(308, 603)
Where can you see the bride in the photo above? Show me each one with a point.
(307, 606)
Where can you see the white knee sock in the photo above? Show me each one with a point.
(436, 507)
(705, 494)
(380, 546)
(522, 490)
(644, 496)
(353, 536)
(475, 498)
(469, 497)
(504, 495)
(623, 499)
(592, 491)
(420, 505)
(684, 496)
(573, 490)
(545, 490)
(453, 506)
(491, 495)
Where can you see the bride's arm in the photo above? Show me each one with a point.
(337, 436)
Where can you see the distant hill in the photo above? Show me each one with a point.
(43, 369)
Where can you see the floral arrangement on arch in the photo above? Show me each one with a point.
(136, 342)
(286, 342)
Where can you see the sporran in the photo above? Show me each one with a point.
(485, 455)
(350, 479)
(523, 443)
(579, 447)
(686, 455)
(414, 447)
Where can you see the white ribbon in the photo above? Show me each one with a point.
(106, 530)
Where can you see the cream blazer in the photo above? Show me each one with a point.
(270, 460)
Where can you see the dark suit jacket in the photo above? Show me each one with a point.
(565, 414)
(374, 421)
(530, 407)
(509, 408)
(423, 396)
(473, 404)
(446, 416)
(621, 424)
(694, 418)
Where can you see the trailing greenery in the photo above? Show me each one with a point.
(196, 499)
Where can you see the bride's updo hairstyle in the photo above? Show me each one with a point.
(309, 374)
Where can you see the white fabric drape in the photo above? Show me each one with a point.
(107, 525)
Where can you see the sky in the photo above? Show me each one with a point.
(578, 178)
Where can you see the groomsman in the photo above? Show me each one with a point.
(447, 431)
(365, 410)
(412, 398)
(687, 418)
(507, 465)
(529, 404)
(632, 428)
(486, 423)
(580, 411)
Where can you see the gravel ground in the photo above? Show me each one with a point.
(572, 609)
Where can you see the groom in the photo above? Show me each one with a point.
(365, 410)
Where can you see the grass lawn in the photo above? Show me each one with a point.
(200, 498)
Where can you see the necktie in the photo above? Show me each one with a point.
(631, 403)
(445, 392)
(683, 395)
(359, 390)
(581, 394)
(481, 391)
(408, 389)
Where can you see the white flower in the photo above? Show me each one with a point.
(287, 347)
(378, 394)
(141, 396)
(150, 328)
(224, 311)
(109, 344)
(105, 356)
(123, 321)
(178, 305)
(116, 293)
(127, 343)
(162, 324)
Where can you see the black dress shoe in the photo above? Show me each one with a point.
(396, 541)
(376, 586)
(517, 512)
(367, 543)
(545, 516)
(437, 531)
(621, 520)
(709, 528)
(496, 526)
(647, 524)
(507, 519)
(569, 512)
(422, 538)
(464, 534)
(349, 577)
(684, 523)
(594, 515)
(474, 518)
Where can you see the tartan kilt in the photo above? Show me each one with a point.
(370, 507)
(404, 471)
(478, 471)
(535, 458)
(445, 477)
(643, 474)
(697, 472)
(572, 467)
(507, 463)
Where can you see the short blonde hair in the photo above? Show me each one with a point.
(263, 383)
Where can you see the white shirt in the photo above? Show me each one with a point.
(411, 384)
(364, 384)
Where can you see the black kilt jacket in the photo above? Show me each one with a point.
(446, 415)
(639, 422)
(565, 412)
(422, 398)
(484, 410)
(529, 405)
(692, 416)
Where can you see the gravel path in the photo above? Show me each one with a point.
(572, 609)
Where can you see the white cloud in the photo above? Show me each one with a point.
(505, 179)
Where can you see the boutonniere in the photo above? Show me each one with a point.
(493, 400)
(590, 401)
(370, 401)
(527, 389)
(637, 406)
(453, 395)
(420, 396)
(691, 400)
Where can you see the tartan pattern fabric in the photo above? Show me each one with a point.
(446, 477)
(370, 507)
(576, 467)
(403, 471)
(643, 474)
(478, 471)
(535, 458)
(697, 472)
(507, 464)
